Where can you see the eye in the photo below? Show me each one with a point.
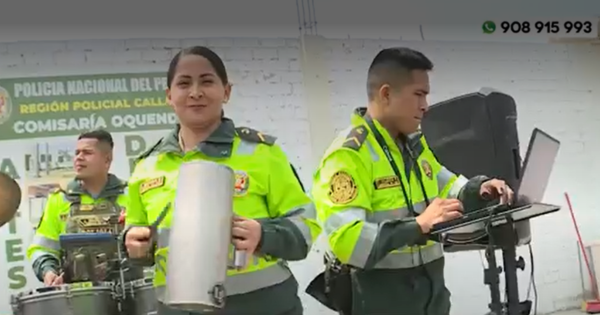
(183, 84)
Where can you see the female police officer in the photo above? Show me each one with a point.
(279, 222)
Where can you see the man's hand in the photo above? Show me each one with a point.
(137, 241)
(496, 189)
(246, 234)
(51, 279)
(440, 210)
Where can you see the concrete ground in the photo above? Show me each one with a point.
(573, 312)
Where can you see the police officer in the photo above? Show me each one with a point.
(379, 190)
(86, 204)
(10, 198)
(275, 218)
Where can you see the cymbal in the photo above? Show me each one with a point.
(10, 198)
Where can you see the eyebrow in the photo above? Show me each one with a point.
(204, 75)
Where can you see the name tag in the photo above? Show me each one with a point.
(151, 184)
(387, 182)
(86, 207)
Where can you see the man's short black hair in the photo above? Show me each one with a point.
(393, 66)
(101, 135)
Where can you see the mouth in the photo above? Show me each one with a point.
(197, 106)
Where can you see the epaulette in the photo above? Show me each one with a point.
(57, 190)
(255, 136)
(149, 151)
(355, 138)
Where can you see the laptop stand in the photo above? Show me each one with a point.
(502, 235)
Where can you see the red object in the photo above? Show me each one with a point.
(595, 304)
(121, 217)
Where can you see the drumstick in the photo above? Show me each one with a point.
(54, 282)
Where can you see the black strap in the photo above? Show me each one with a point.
(386, 150)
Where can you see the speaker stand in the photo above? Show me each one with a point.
(513, 306)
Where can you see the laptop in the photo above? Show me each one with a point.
(536, 171)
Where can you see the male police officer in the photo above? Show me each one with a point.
(89, 203)
(379, 190)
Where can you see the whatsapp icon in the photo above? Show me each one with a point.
(489, 27)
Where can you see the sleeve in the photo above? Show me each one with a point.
(135, 215)
(342, 190)
(457, 186)
(44, 251)
(292, 228)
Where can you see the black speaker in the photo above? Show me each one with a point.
(476, 134)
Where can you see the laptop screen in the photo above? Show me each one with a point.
(537, 168)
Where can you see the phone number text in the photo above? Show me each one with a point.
(549, 27)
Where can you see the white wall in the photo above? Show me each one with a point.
(553, 85)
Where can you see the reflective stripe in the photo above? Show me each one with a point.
(445, 176)
(405, 258)
(246, 148)
(411, 257)
(247, 282)
(128, 226)
(374, 155)
(349, 215)
(45, 242)
(40, 253)
(457, 186)
(297, 217)
(162, 240)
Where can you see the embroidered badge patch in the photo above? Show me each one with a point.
(342, 188)
(151, 184)
(427, 169)
(242, 182)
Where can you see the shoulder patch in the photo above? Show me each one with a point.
(342, 188)
(355, 138)
(252, 135)
(149, 151)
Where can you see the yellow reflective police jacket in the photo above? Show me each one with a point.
(73, 210)
(355, 190)
(266, 190)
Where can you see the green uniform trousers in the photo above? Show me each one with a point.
(414, 291)
(280, 299)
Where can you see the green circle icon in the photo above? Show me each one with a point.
(489, 27)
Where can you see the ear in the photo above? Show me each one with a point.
(227, 95)
(109, 157)
(169, 101)
(384, 94)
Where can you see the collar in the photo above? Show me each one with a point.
(218, 145)
(359, 117)
(113, 183)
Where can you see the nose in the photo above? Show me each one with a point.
(424, 105)
(196, 92)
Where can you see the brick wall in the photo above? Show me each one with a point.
(556, 89)
(553, 85)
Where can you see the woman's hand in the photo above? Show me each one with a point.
(246, 234)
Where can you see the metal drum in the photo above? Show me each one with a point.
(66, 300)
(202, 216)
(139, 298)
(466, 235)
